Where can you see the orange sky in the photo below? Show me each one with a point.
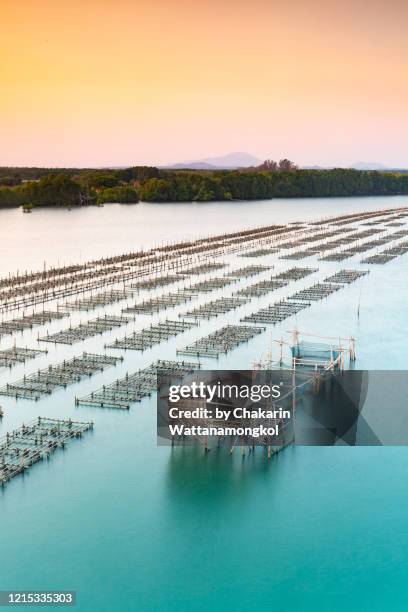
(117, 82)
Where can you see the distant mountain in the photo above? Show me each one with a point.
(224, 162)
(246, 160)
(316, 167)
(363, 166)
(368, 166)
(198, 165)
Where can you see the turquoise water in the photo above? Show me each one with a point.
(132, 526)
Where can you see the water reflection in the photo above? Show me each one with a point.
(198, 477)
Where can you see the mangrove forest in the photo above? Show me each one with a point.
(33, 187)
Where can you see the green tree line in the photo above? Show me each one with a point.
(150, 184)
(60, 189)
(252, 185)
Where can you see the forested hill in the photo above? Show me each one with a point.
(32, 187)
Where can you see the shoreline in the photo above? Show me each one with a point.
(198, 202)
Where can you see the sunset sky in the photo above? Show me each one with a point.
(122, 82)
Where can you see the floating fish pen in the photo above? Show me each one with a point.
(260, 252)
(154, 283)
(347, 241)
(291, 244)
(142, 340)
(314, 237)
(321, 236)
(261, 288)
(44, 382)
(215, 308)
(221, 341)
(371, 244)
(354, 249)
(386, 256)
(363, 248)
(332, 245)
(103, 298)
(295, 273)
(31, 443)
(81, 332)
(168, 300)
(20, 324)
(369, 232)
(316, 292)
(17, 354)
(340, 256)
(228, 243)
(354, 217)
(359, 248)
(344, 277)
(379, 222)
(350, 250)
(324, 235)
(340, 242)
(300, 254)
(275, 313)
(134, 387)
(210, 266)
(211, 284)
(380, 258)
(401, 215)
(247, 271)
(397, 250)
(320, 246)
(400, 234)
(189, 291)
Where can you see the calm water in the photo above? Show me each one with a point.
(131, 526)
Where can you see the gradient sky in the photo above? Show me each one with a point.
(121, 82)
